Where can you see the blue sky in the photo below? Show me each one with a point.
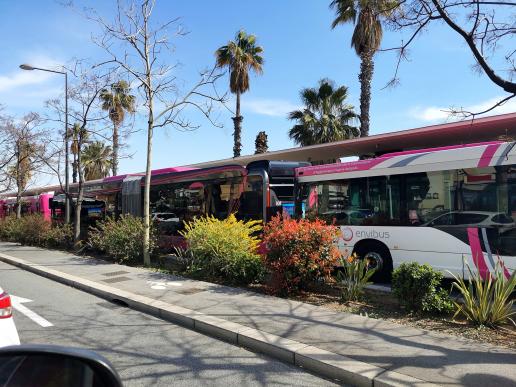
(299, 49)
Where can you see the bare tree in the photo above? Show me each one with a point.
(90, 120)
(487, 27)
(6, 155)
(136, 45)
(23, 154)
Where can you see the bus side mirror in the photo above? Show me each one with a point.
(48, 365)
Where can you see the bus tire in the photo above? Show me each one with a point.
(379, 255)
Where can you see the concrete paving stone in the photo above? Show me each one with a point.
(216, 327)
(337, 366)
(269, 344)
(395, 379)
(176, 314)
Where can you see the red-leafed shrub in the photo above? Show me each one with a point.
(299, 252)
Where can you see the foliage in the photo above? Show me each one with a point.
(418, 288)
(225, 248)
(260, 143)
(60, 236)
(120, 238)
(96, 160)
(354, 277)
(240, 56)
(117, 101)
(366, 15)
(35, 230)
(299, 252)
(486, 301)
(10, 229)
(326, 116)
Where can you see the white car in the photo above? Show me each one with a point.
(474, 218)
(8, 332)
(165, 217)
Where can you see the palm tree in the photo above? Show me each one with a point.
(96, 160)
(240, 56)
(260, 143)
(74, 133)
(326, 116)
(366, 40)
(117, 101)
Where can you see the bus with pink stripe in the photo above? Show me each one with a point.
(447, 207)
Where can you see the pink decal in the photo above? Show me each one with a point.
(476, 252)
(361, 165)
(441, 148)
(487, 156)
(312, 199)
(505, 271)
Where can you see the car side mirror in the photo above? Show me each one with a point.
(48, 365)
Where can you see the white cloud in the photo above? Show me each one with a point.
(434, 113)
(269, 107)
(22, 78)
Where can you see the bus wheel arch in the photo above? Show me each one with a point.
(379, 253)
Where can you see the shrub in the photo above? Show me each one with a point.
(418, 288)
(29, 229)
(122, 238)
(36, 231)
(486, 301)
(10, 229)
(60, 236)
(354, 277)
(225, 248)
(299, 252)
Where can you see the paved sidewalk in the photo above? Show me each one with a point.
(416, 353)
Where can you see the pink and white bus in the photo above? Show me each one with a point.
(442, 206)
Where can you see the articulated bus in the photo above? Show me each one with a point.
(257, 191)
(445, 207)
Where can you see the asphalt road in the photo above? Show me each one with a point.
(145, 351)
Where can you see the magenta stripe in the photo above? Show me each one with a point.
(476, 252)
(487, 156)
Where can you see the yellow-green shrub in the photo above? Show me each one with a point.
(226, 248)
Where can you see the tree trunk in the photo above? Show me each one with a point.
(237, 134)
(365, 76)
(78, 205)
(18, 203)
(18, 180)
(114, 159)
(146, 193)
(74, 168)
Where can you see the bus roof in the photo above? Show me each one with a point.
(469, 156)
(453, 133)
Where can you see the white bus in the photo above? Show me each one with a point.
(442, 206)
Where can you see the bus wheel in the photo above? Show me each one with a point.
(380, 259)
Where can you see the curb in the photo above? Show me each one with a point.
(324, 363)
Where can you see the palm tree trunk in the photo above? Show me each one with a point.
(237, 134)
(365, 76)
(115, 150)
(74, 168)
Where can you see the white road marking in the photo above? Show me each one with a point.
(17, 304)
(162, 285)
